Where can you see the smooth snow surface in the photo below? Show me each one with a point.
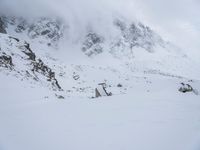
(161, 118)
(50, 68)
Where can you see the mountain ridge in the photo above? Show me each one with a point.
(134, 49)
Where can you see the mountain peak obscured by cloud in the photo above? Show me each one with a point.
(176, 20)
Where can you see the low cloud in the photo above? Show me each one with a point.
(175, 20)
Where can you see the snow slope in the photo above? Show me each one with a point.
(47, 92)
(160, 118)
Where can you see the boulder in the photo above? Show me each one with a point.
(186, 88)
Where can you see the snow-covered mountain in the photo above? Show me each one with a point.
(134, 49)
(152, 87)
(42, 30)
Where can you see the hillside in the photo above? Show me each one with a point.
(49, 80)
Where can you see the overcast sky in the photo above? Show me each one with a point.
(175, 20)
(179, 20)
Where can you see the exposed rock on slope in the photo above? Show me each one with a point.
(2, 26)
(131, 35)
(134, 35)
(138, 35)
(93, 44)
(45, 30)
(19, 60)
(50, 31)
(133, 40)
(5, 60)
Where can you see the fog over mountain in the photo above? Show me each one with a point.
(177, 21)
(99, 75)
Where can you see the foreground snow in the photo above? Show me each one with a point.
(147, 112)
(162, 119)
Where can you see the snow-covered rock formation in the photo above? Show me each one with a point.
(26, 53)
(18, 59)
(78, 84)
(44, 30)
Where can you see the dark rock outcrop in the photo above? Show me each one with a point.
(185, 88)
(93, 44)
(29, 52)
(6, 61)
(46, 27)
(2, 27)
(40, 67)
(50, 29)
(17, 55)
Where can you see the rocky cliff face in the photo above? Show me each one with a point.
(44, 30)
(50, 31)
(18, 59)
(132, 35)
(136, 35)
(93, 44)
